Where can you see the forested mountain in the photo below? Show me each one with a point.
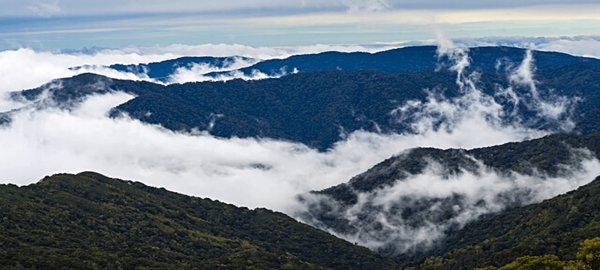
(407, 59)
(319, 108)
(386, 207)
(89, 221)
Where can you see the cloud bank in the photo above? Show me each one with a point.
(416, 211)
(26, 68)
(265, 173)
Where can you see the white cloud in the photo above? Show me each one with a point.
(248, 172)
(416, 213)
(25, 68)
(436, 200)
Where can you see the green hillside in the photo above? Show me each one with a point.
(89, 221)
(553, 227)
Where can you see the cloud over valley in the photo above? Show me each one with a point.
(263, 172)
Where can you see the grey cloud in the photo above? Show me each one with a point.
(416, 212)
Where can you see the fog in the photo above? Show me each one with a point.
(265, 172)
(416, 211)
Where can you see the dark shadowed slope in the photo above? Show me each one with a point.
(88, 221)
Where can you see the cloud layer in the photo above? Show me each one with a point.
(73, 24)
(416, 211)
(249, 172)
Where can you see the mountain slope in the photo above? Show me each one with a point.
(555, 226)
(320, 108)
(409, 203)
(88, 221)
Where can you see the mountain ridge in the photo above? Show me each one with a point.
(331, 103)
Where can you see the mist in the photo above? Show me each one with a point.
(25, 68)
(416, 211)
(266, 172)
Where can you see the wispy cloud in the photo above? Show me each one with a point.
(264, 23)
(45, 8)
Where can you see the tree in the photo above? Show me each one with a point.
(589, 253)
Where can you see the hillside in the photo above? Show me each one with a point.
(553, 227)
(432, 192)
(89, 221)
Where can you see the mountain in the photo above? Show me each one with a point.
(407, 59)
(408, 204)
(319, 108)
(89, 221)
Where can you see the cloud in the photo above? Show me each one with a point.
(26, 68)
(45, 9)
(416, 211)
(246, 172)
(367, 5)
(251, 172)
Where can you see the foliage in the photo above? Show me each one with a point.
(587, 259)
(589, 253)
(553, 227)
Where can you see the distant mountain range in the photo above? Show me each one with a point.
(162, 71)
(319, 108)
(408, 59)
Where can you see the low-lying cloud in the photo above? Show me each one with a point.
(257, 172)
(26, 68)
(417, 211)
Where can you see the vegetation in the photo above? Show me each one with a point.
(559, 223)
(553, 228)
(88, 221)
(588, 258)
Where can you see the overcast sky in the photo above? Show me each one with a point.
(75, 24)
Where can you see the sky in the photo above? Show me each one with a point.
(75, 24)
